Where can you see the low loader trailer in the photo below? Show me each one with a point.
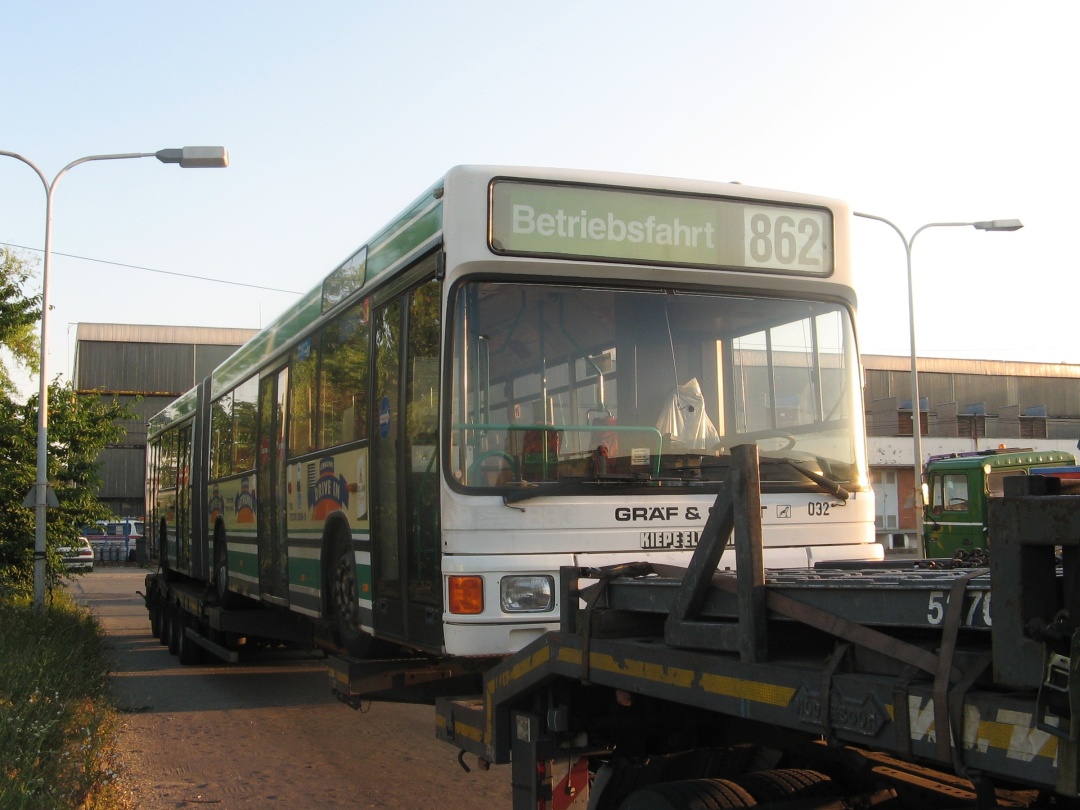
(197, 623)
(916, 685)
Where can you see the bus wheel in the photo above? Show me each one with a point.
(344, 600)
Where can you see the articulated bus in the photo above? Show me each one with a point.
(525, 369)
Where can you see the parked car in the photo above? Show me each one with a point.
(121, 537)
(79, 557)
(95, 535)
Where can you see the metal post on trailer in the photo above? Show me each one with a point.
(738, 509)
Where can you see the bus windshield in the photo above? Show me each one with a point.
(605, 385)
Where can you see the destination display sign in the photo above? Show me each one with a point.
(585, 222)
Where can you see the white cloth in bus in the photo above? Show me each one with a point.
(684, 418)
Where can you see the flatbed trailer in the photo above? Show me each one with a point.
(192, 619)
(699, 688)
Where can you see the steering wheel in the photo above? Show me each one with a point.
(476, 468)
(727, 442)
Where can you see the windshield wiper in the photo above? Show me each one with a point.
(537, 490)
(827, 484)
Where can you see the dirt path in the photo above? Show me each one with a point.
(268, 734)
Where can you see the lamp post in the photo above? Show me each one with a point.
(916, 411)
(189, 157)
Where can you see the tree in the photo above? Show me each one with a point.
(18, 315)
(79, 429)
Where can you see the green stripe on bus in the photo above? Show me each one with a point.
(382, 256)
(305, 571)
(363, 580)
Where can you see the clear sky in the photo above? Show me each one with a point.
(337, 114)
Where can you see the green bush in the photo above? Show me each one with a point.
(57, 727)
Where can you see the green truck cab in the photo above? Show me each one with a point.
(958, 486)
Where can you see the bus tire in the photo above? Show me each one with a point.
(690, 794)
(344, 604)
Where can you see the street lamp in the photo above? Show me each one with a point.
(189, 157)
(916, 413)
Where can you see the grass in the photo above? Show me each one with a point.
(57, 724)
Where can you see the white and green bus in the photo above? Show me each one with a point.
(527, 368)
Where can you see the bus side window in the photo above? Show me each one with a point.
(343, 379)
(303, 367)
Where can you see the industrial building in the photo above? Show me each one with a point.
(965, 405)
(146, 368)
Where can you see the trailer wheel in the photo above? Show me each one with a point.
(691, 794)
(344, 599)
(786, 784)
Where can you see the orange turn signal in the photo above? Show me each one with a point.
(465, 595)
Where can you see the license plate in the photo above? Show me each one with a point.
(678, 538)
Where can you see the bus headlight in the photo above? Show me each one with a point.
(527, 594)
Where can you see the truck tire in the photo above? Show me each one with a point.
(691, 794)
(784, 785)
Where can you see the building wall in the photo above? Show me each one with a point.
(145, 368)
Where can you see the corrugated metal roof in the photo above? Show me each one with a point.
(944, 365)
(146, 333)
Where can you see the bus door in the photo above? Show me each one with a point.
(407, 576)
(270, 489)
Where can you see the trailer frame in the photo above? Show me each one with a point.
(645, 654)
